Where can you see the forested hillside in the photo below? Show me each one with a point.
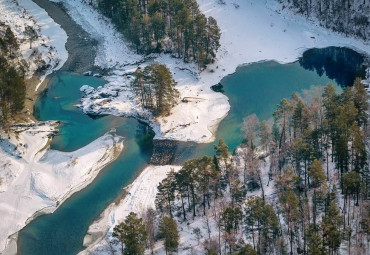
(299, 184)
(345, 16)
(175, 26)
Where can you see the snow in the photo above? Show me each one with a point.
(36, 179)
(140, 195)
(112, 51)
(252, 31)
(50, 46)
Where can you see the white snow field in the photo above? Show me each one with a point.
(140, 195)
(252, 31)
(49, 46)
(35, 179)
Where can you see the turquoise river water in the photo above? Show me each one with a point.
(255, 88)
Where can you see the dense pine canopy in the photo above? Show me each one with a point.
(175, 26)
(12, 85)
(155, 88)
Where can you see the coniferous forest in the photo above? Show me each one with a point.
(314, 154)
(139, 181)
(345, 16)
(12, 85)
(175, 26)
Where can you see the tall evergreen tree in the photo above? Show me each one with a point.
(331, 229)
(318, 177)
(166, 194)
(169, 232)
(132, 235)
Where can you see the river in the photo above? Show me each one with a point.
(254, 88)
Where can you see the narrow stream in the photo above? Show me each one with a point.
(259, 86)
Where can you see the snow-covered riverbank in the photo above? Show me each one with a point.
(252, 31)
(35, 179)
(50, 44)
(140, 195)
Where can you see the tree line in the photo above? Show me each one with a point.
(12, 85)
(155, 88)
(345, 16)
(175, 26)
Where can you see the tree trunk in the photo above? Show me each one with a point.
(183, 206)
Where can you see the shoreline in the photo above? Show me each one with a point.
(70, 193)
(109, 156)
(98, 230)
(97, 236)
(301, 29)
(71, 65)
(78, 44)
(81, 47)
(195, 121)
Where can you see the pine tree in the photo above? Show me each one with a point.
(206, 175)
(289, 203)
(318, 177)
(264, 134)
(250, 124)
(247, 250)
(158, 27)
(331, 229)
(315, 242)
(282, 114)
(165, 92)
(222, 152)
(10, 41)
(132, 235)
(231, 219)
(351, 183)
(176, 26)
(358, 151)
(31, 34)
(330, 102)
(361, 99)
(169, 232)
(261, 217)
(12, 92)
(166, 194)
(237, 192)
(150, 228)
(189, 181)
(214, 35)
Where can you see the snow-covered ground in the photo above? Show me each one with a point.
(50, 44)
(112, 52)
(35, 179)
(252, 31)
(140, 195)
